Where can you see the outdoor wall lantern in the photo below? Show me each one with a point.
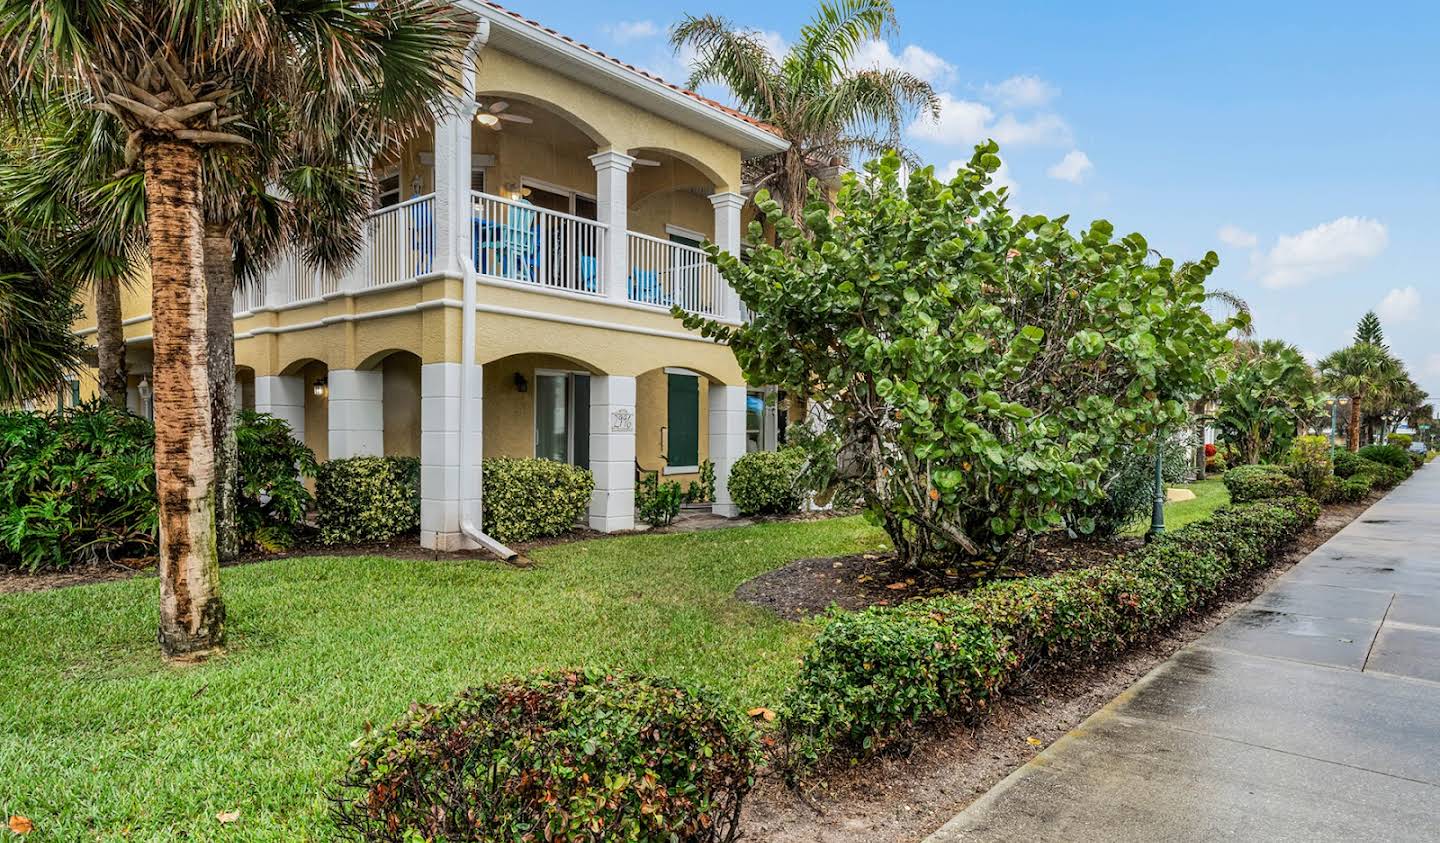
(521, 385)
(144, 389)
(319, 387)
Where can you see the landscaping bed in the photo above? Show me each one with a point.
(915, 786)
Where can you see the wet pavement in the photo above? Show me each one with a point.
(1311, 714)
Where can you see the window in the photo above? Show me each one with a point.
(562, 417)
(477, 179)
(388, 188)
(755, 421)
(683, 424)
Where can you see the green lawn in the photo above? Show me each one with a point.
(1210, 495)
(99, 737)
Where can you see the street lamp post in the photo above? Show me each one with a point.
(1157, 508)
(1330, 402)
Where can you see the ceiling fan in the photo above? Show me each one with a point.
(493, 116)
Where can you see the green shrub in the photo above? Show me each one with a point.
(76, 485)
(1352, 489)
(1416, 460)
(1390, 455)
(1309, 462)
(1247, 483)
(1346, 461)
(367, 499)
(272, 501)
(702, 489)
(1382, 476)
(1216, 465)
(657, 503)
(871, 675)
(767, 482)
(1129, 484)
(570, 756)
(529, 498)
(1399, 440)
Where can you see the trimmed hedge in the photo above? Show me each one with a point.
(367, 499)
(767, 482)
(1346, 461)
(872, 675)
(1248, 483)
(1382, 476)
(530, 498)
(1391, 455)
(1352, 489)
(572, 756)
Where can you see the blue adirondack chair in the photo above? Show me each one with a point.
(645, 287)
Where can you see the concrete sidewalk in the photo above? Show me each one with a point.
(1312, 714)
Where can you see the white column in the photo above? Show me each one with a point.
(727, 237)
(282, 396)
(357, 413)
(612, 183)
(727, 440)
(440, 470)
(612, 452)
(452, 180)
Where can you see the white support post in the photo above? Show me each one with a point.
(612, 452)
(283, 396)
(357, 413)
(727, 441)
(727, 237)
(612, 182)
(440, 470)
(453, 205)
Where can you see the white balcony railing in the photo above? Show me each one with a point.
(517, 241)
(665, 273)
(249, 297)
(402, 242)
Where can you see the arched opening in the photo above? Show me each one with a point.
(244, 389)
(315, 385)
(672, 421)
(670, 197)
(538, 405)
(400, 399)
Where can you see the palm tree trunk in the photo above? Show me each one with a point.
(110, 342)
(192, 615)
(796, 186)
(220, 328)
(1354, 433)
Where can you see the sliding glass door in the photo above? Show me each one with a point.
(562, 417)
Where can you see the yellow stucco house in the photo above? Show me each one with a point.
(572, 190)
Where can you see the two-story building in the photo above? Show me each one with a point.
(574, 190)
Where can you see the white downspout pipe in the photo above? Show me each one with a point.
(470, 473)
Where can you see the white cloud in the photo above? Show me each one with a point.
(966, 123)
(632, 30)
(1327, 249)
(774, 42)
(1022, 92)
(1072, 168)
(1401, 304)
(913, 59)
(1310, 357)
(1234, 235)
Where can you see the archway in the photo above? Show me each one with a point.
(400, 400)
(538, 405)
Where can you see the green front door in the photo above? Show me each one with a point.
(684, 420)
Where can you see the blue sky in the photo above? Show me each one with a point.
(1299, 141)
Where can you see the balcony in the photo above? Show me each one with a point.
(516, 243)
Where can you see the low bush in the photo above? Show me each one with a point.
(871, 675)
(1417, 460)
(767, 482)
(1309, 462)
(657, 503)
(1346, 461)
(1399, 440)
(272, 501)
(1216, 465)
(1382, 476)
(571, 756)
(76, 485)
(1390, 455)
(702, 489)
(1248, 483)
(1351, 489)
(367, 499)
(531, 498)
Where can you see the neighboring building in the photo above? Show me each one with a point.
(580, 188)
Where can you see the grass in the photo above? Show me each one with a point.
(100, 739)
(1210, 495)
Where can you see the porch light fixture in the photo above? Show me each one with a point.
(144, 389)
(521, 385)
(487, 119)
(319, 387)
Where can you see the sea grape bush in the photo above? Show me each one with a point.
(979, 370)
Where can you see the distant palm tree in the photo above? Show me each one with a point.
(38, 345)
(1355, 371)
(830, 111)
(184, 78)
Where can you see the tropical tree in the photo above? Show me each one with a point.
(38, 345)
(1269, 397)
(1354, 371)
(830, 111)
(184, 78)
(1368, 330)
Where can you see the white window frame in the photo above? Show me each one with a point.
(687, 233)
(570, 410)
(551, 187)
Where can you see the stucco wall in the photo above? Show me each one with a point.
(400, 388)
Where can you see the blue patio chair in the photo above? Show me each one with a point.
(645, 287)
(520, 242)
(422, 237)
(589, 274)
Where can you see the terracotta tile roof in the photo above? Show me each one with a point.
(724, 109)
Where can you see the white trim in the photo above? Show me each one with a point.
(676, 370)
(596, 70)
(680, 469)
(687, 233)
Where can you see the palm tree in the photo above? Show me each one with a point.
(1268, 398)
(829, 111)
(38, 345)
(1354, 371)
(184, 78)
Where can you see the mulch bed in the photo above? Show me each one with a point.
(911, 790)
(807, 587)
